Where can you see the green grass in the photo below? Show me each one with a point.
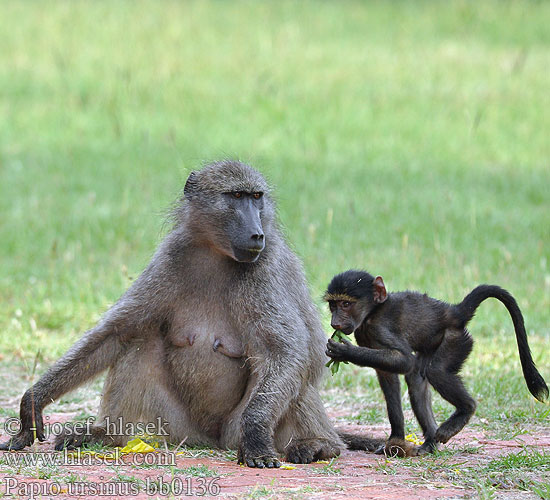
(515, 471)
(408, 138)
(196, 471)
(329, 469)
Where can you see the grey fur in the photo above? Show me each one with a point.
(229, 353)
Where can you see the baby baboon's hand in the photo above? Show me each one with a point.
(339, 351)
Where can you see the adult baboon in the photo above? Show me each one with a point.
(218, 336)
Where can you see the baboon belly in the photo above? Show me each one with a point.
(210, 382)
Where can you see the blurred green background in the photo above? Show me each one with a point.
(407, 138)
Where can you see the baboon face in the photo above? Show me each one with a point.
(230, 209)
(244, 229)
(347, 315)
(351, 297)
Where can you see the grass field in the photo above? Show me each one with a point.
(408, 138)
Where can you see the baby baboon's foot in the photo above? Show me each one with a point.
(428, 447)
(447, 430)
(305, 451)
(455, 423)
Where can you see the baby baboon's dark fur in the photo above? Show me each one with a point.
(218, 336)
(423, 338)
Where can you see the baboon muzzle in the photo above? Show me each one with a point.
(250, 245)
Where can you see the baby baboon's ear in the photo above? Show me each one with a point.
(190, 185)
(379, 290)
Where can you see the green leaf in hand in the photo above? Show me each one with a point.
(332, 364)
(339, 336)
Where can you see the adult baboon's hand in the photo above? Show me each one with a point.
(32, 426)
(22, 440)
(26, 436)
(253, 459)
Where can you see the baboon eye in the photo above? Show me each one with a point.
(257, 196)
(237, 194)
(346, 304)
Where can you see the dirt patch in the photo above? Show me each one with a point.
(212, 474)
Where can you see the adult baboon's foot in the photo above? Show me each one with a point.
(305, 451)
(259, 460)
(397, 447)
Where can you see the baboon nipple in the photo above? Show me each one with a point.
(231, 348)
(183, 340)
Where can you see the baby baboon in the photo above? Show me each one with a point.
(422, 338)
(218, 336)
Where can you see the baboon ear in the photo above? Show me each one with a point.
(190, 185)
(379, 290)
